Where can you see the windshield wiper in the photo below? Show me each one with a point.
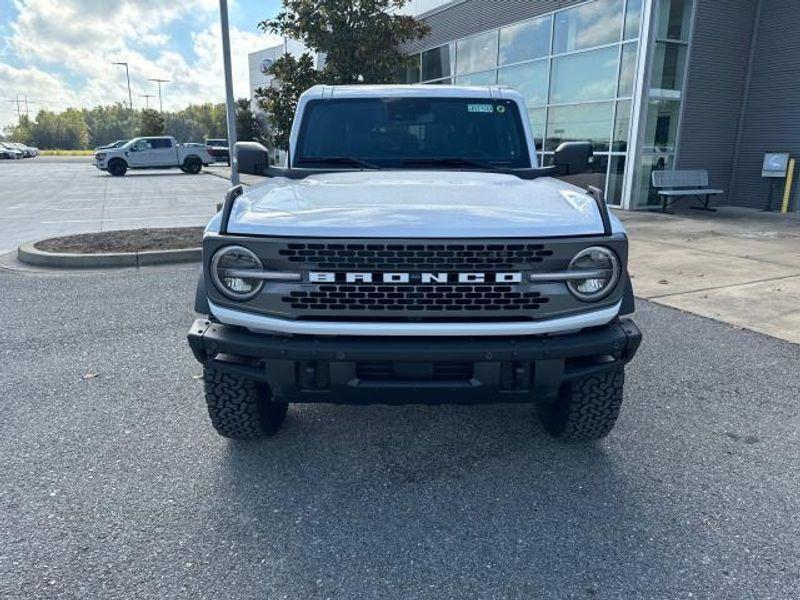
(338, 160)
(450, 162)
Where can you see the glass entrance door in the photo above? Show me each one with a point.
(663, 95)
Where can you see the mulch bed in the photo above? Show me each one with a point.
(134, 240)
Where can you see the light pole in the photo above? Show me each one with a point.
(128, 75)
(146, 99)
(159, 82)
(229, 103)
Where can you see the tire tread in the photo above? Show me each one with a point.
(241, 408)
(586, 409)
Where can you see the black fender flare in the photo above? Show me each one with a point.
(201, 296)
(628, 301)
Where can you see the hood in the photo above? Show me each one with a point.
(415, 204)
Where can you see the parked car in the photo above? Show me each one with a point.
(7, 150)
(117, 144)
(151, 153)
(27, 151)
(218, 149)
(413, 251)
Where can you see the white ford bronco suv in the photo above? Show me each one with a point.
(157, 152)
(412, 250)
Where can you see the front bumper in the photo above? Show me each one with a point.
(413, 370)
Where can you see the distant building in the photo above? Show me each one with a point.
(260, 61)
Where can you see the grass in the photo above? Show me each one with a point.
(67, 152)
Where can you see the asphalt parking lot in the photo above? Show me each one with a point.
(115, 486)
(49, 196)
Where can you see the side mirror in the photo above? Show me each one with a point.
(252, 157)
(572, 158)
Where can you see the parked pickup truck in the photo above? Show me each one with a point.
(151, 153)
(414, 251)
(218, 150)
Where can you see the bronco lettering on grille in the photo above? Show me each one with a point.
(427, 278)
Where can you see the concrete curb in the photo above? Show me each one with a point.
(29, 254)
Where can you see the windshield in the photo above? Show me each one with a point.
(412, 133)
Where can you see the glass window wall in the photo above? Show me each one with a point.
(627, 69)
(538, 120)
(480, 79)
(587, 26)
(525, 41)
(436, 63)
(579, 122)
(673, 19)
(529, 79)
(669, 64)
(633, 19)
(622, 125)
(477, 53)
(590, 75)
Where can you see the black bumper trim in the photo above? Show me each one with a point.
(278, 360)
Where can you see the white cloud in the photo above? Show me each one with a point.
(83, 38)
(36, 84)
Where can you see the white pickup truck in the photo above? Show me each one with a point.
(413, 251)
(160, 152)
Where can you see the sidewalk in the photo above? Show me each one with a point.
(737, 265)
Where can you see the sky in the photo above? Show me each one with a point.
(59, 52)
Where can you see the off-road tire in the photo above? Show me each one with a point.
(586, 409)
(117, 167)
(241, 408)
(192, 165)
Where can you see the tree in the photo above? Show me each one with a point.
(151, 122)
(197, 122)
(66, 130)
(248, 126)
(110, 123)
(292, 77)
(359, 38)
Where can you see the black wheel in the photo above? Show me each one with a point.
(117, 167)
(241, 408)
(586, 408)
(192, 165)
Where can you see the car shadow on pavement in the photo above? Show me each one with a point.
(354, 497)
(141, 175)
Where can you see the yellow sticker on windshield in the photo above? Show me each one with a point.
(480, 108)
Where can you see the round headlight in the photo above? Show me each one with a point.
(229, 268)
(601, 267)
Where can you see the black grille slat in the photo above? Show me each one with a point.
(380, 257)
(415, 297)
(439, 371)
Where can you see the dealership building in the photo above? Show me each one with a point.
(654, 84)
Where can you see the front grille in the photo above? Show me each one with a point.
(415, 298)
(379, 257)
